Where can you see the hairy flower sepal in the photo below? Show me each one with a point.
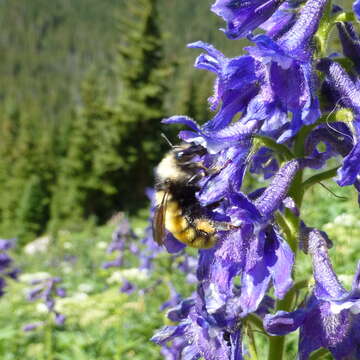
(330, 318)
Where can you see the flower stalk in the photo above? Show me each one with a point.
(298, 108)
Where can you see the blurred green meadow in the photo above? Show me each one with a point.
(102, 322)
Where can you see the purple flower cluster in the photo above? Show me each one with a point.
(273, 107)
(123, 243)
(6, 264)
(122, 239)
(47, 290)
(144, 252)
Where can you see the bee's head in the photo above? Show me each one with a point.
(184, 153)
(177, 165)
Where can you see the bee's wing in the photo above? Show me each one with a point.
(159, 221)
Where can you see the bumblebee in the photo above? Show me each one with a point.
(177, 209)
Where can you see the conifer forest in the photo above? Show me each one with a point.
(250, 249)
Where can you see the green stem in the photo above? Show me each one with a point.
(49, 340)
(276, 348)
(257, 322)
(318, 354)
(343, 17)
(281, 150)
(323, 32)
(277, 343)
(315, 179)
(280, 220)
(251, 342)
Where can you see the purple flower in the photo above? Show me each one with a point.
(6, 244)
(337, 140)
(59, 319)
(356, 8)
(6, 269)
(47, 290)
(243, 16)
(127, 287)
(289, 85)
(281, 21)
(267, 97)
(174, 351)
(200, 334)
(264, 163)
(2, 286)
(330, 318)
(255, 251)
(350, 43)
(215, 140)
(122, 240)
(235, 85)
(173, 300)
(113, 263)
(32, 326)
(5, 261)
(121, 236)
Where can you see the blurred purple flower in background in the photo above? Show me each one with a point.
(7, 270)
(47, 290)
(122, 239)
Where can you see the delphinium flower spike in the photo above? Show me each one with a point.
(7, 270)
(47, 290)
(269, 120)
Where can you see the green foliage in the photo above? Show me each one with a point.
(104, 324)
(83, 87)
(82, 187)
(112, 144)
(142, 75)
(32, 212)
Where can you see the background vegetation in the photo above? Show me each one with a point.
(83, 87)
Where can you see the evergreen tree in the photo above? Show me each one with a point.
(80, 189)
(114, 148)
(32, 210)
(142, 75)
(26, 173)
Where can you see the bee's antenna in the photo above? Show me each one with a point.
(167, 140)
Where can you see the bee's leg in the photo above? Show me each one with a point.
(195, 178)
(216, 169)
